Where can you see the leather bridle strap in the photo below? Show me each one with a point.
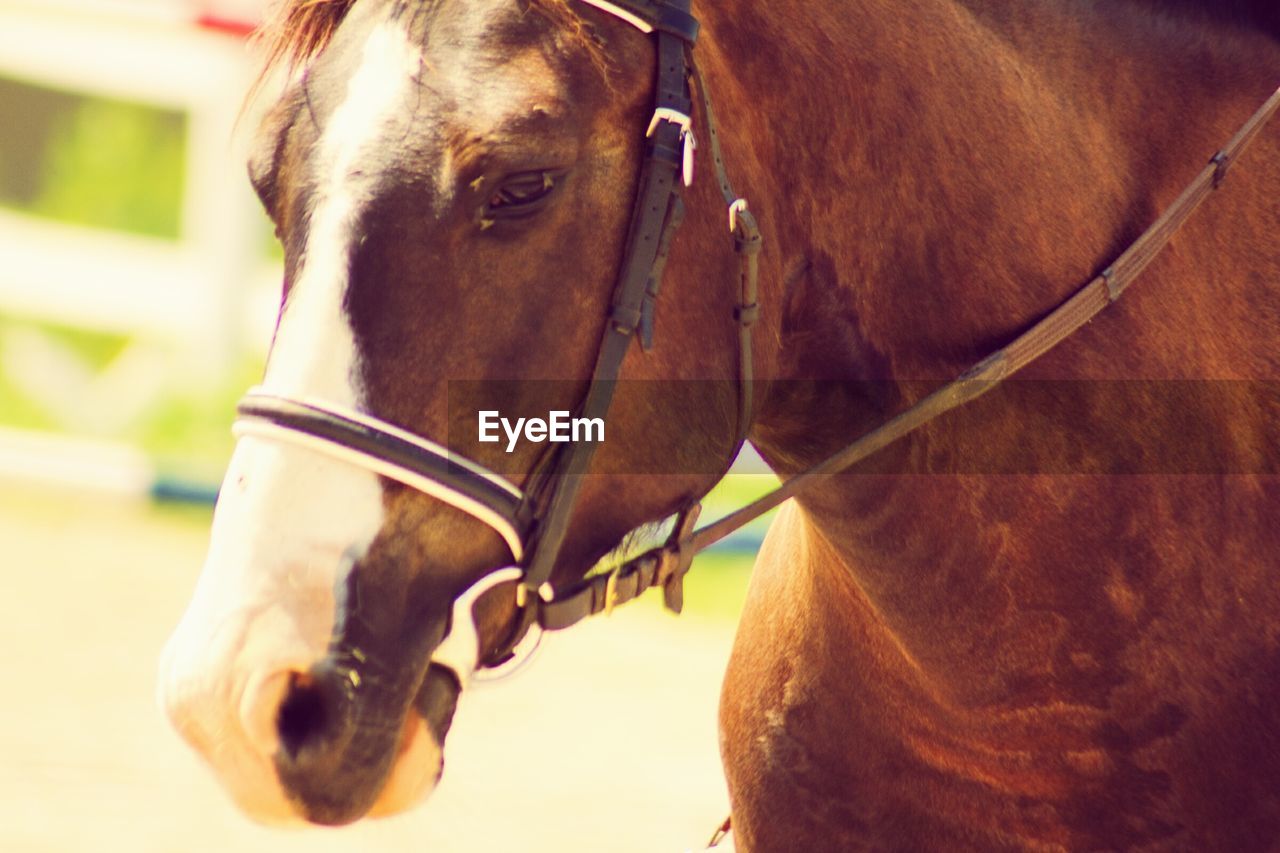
(1089, 301)
(746, 245)
(654, 216)
(554, 610)
(667, 565)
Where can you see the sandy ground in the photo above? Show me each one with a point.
(606, 743)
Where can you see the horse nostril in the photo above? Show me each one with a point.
(304, 717)
(293, 713)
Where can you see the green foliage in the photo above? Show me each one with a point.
(93, 347)
(189, 430)
(91, 161)
(716, 585)
(118, 166)
(735, 490)
(115, 165)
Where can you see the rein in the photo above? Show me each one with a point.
(533, 522)
(668, 564)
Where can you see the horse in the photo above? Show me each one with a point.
(1046, 621)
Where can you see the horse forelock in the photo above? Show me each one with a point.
(300, 29)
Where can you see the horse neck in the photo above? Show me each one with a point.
(844, 126)
(933, 161)
(833, 118)
(929, 181)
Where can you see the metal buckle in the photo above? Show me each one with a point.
(738, 206)
(689, 144)
(674, 116)
(546, 592)
(611, 591)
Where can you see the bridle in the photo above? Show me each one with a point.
(533, 521)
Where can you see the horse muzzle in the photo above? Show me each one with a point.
(328, 744)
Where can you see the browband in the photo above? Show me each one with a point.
(649, 17)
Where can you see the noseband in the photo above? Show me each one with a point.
(533, 521)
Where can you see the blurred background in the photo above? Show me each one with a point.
(138, 288)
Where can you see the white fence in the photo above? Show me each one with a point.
(205, 290)
(190, 307)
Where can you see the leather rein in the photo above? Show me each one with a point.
(533, 522)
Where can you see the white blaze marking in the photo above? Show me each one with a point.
(315, 352)
(290, 523)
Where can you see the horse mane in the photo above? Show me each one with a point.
(299, 29)
(1259, 15)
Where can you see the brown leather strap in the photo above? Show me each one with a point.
(668, 565)
(1080, 308)
(665, 567)
(651, 227)
(649, 304)
(746, 245)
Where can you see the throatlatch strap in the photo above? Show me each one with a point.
(746, 245)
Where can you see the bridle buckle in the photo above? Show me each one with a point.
(689, 144)
(739, 205)
(545, 592)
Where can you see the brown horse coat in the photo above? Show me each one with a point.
(1044, 622)
(1056, 656)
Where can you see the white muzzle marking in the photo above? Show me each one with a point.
(290, 523)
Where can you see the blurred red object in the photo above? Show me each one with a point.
(235, 17)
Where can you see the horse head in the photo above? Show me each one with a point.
(454, 185)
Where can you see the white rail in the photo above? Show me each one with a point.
(196, 289)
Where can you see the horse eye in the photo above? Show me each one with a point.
(521, 195)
